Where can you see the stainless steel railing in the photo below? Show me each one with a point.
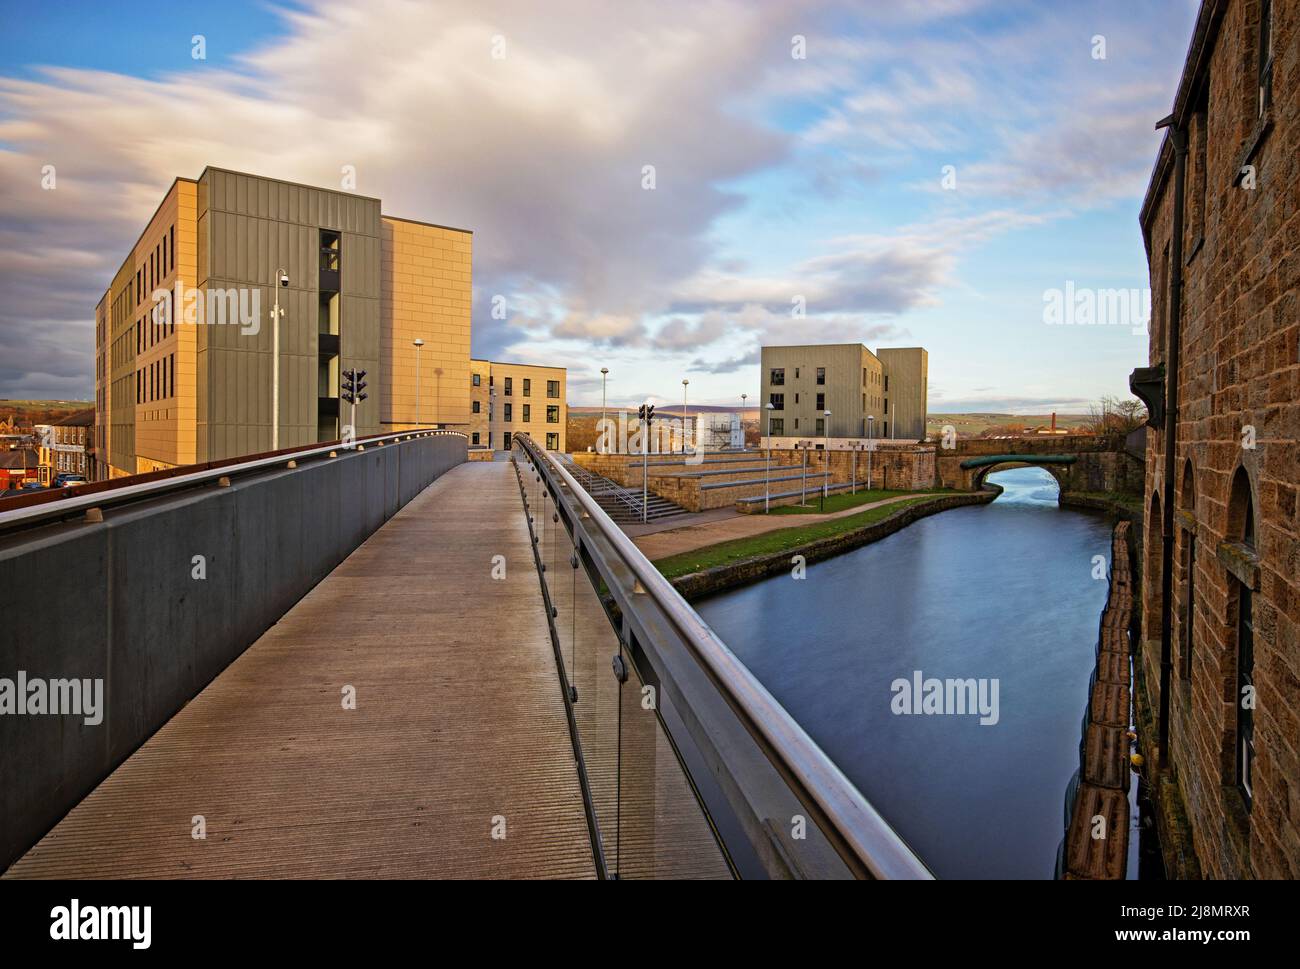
(86, 498)
(773, 795)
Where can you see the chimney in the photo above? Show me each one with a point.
(1053, 422)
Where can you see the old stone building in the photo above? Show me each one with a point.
(1218, 664)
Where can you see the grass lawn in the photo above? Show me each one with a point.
(839, 502)
(780, 540)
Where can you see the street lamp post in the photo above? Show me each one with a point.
(854, 486)
(604, 374)
(281, 280)
(743, 398)
(767, 490)
(684, 383)
(803, 480)
(871, 423)
(417, 343)
(826, 455)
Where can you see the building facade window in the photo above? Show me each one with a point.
(776, 426)
(552, 441)
(476, 380)
(528, 408)
(821, 376)
(777, 377)
(475, 407)
(552, 414)
(553, 389)
(1265, 57)
(821, 401)
(474, 438)
(777, 401)
(528, 389)
(510, 383)
(821, 426)
(506, 412)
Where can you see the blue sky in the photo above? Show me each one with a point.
(777, 177)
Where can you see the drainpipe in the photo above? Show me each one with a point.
(1173, 343)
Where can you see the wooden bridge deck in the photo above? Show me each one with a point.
(459, 722)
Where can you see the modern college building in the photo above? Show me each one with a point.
(356, 289)
(510, 398)
(1217, 671)
(881, 394)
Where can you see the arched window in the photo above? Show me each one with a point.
(1188, 617)
(1241, 525)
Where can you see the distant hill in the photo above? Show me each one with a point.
(27, 412)
(976, 424)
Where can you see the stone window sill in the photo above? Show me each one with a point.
(1241, 561)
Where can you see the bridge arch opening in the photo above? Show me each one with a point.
(1042, 475)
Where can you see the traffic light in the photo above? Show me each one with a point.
(354, 385)
(646, 412)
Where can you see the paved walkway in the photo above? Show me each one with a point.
(459, 726)
(686, 539)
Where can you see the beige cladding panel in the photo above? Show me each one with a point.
(426, 276)
(537, 427)
(843, 388)
(908, 371)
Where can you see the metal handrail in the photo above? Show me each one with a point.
(66, 507)
(630, 499)
(875, 845)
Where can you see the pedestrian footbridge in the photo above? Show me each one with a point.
(387, 661)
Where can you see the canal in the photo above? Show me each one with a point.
(1002, 593)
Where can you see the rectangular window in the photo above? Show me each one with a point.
(776, 427)
(886, 405)
(553, 389)
(777, 401)
(1245, 686)
(821, 426)
(475, 407)
(528, 389)
(507, 413)
(474, 438)
(330, 243)
(172, 244)
(886, 383)
(505, 440)
(796, 399)
(509, 386)
(1265, 55)
(476, 381)
(552, 441)
(821, 376)
(528, 413)
(552, 414)
(777, 377)
(821, 401)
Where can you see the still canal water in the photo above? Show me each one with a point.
(1002, 591)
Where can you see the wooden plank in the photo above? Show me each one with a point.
(459, 720)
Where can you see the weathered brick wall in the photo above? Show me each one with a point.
(1239, 371)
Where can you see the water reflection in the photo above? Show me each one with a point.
(1005, 592)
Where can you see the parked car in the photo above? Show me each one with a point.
(32, 485)
(68, 479)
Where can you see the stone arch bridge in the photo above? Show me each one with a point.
(1078, 462)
